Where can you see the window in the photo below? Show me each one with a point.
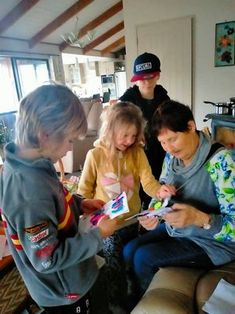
(19, 76)
(30, 74)
(8, 93)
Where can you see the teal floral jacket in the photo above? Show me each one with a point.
(221, 169)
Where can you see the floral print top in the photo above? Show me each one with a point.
(221, 169)
(208, 184)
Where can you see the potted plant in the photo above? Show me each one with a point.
(6, 135)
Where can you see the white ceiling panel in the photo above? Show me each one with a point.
(42, 13)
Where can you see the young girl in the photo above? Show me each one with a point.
(56, 262)
(116, 164)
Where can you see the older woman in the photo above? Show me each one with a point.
(200, 229)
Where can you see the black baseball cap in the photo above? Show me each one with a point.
(146, 66)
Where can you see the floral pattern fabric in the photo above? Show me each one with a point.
(221, 169)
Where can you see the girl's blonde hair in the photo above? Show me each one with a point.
(115, 117)
(54, 109)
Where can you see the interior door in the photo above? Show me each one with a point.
(171, 41)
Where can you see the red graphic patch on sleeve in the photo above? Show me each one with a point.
(36, 228)
(72, 296)
(46, 251)
(41, 235)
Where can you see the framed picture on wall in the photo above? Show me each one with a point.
(225, 44)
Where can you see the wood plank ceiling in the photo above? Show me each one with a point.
(47, 21)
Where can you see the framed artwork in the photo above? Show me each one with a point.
(225, 44)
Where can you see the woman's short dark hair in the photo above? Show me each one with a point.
(172, 115)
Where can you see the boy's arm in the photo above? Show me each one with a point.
(48, 242)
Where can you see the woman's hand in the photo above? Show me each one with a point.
(107, 226)
(88, 206)
(183, 215)
(166, 190)
(149, 223)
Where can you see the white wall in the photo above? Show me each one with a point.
(209, 82)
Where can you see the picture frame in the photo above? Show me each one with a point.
(225, 44)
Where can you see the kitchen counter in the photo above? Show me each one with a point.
(220, 121)
(223, 130)
(221, 117)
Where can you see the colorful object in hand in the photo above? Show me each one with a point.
(96, 216)
(117, 206)
(155, 204)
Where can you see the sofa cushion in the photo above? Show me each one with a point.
(181, 290)
(166, 293)
(93, 109)
(209, 281)
(93, 117)
(86, 104)
(74, 160)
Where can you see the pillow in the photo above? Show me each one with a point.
(93, 118)
(86, 104)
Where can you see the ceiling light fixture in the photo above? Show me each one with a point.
(72, 38)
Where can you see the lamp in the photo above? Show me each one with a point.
(73, 38)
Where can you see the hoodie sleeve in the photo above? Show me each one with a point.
(148, 181)
(88, 178)
(129, 95)
(49, 242)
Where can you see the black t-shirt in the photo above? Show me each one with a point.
(153, 149)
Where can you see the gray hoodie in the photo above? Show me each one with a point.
(56, 262)
(208, 185)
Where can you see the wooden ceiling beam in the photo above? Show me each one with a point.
(117, 28)
(115, 44)
(101, 19)
(96, 22)
(61, 19)
(19, 10)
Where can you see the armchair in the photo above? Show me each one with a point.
(181, 290)
(74, 159)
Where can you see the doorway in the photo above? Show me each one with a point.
(171, 41)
